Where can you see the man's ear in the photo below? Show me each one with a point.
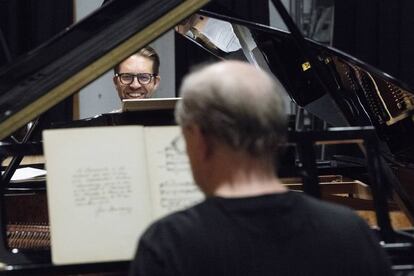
(157, 80)
(198, 141)
(115, 80)
(206, 144)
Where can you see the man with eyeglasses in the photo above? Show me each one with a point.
(232, 118)
(137, 77)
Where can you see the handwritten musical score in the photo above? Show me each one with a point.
(98, 193)
(103, 188)
(172, 184)
(108, 184)
(178, 195)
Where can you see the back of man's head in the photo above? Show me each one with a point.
(237, 105)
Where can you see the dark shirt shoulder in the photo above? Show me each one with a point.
(262, 235)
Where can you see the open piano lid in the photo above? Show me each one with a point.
(328, 83)
(83, 52)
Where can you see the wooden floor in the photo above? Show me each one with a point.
(355, 195)
(399, 220)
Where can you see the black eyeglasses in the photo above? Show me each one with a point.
(128, 78)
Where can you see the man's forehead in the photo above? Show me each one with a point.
(137, 62)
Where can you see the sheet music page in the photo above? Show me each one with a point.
(98, 193)
(27, 174)
(171, 181)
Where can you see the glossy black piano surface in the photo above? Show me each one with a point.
(344, 91)
(337, 88)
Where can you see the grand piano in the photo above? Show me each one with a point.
(333, 86)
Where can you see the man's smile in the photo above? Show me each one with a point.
(135, 94)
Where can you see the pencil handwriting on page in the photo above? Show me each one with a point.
(105, 190)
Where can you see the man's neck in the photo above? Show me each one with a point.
(252, 187)
(237, 175)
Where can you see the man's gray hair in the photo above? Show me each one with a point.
(237, 105)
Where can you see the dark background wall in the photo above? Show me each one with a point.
(379, 32)
(26, 24)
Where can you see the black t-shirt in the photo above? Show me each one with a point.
(277, 234)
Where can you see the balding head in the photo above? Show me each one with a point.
(235, 104)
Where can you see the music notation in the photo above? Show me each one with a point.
(174, 156)
(178, 194)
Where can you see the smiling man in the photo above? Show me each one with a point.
(137, 77)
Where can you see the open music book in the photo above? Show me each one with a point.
(105, 185)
